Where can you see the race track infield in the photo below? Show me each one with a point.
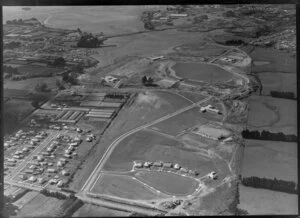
(201, 72)
(124, 187)
(168, 183)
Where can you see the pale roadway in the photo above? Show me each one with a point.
(93, 176)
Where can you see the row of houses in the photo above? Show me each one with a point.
(176, 166)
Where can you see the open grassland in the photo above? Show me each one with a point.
(278, 82)
(135, 147)
(181, 122)
(195, 97)
(39, 70)
(270, 159)
(273, 114)
(278, 61)
(89, 210)
(169, 183)
(201, 72)
(26, 199)
(29, 84)
(266, 202)
(152, 146)
(124, 187)
(40, 206)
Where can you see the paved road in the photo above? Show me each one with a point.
(119, 205)
(89, 182)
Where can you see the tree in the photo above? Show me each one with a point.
(35, 104)
(60, 61)
(41, 87)
(148, 25)
(60, 84)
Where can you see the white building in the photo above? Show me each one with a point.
(178, 15)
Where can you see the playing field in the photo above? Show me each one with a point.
(270, 159)
(202, 72)
(266, 202)
(152, 146)
(181, 122)
(124, 187)
(273, 114)
(169, 183)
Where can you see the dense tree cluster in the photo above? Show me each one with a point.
(60, 61)
(266, 135)
(115, 95)
(148, 81)
(57, 195)
(10, 70)
(41, 87)
(235, 42)
(89, 41)
(287, 95)
(199, 19)
(31, 22)
(70, 77)
(148, 25)
(60, 84)
(271, 184)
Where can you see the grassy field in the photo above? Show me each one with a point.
(124, 187)
(270, 159)
(279, 61)
(40, 206)
(202, 72)
(278, 82)
(273, 114)
(177, 124)
(14, 111)
(266, 202)
(34, 70)
(195, 97)
(29, 84)
(89, 210)
(151, 146)
(169, 183)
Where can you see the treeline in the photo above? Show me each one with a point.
(148, 81)
(31, 22)
(235, 42)
(266, 135)
(287, 95)
(89, 41)
(115, 95)
(271, 184)
(57, 195)
(10, 70)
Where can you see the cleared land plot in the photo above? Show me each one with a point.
(152, 146)
(202, 72)
(270, 159)
(89, 210)
(169, 183)
(266, 202)
(278, 82)
(25, 199)
(124, 187)
(181, 122)
(273, 114)
(279, 61)
(40, 206)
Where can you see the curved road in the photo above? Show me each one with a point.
(93, 176)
